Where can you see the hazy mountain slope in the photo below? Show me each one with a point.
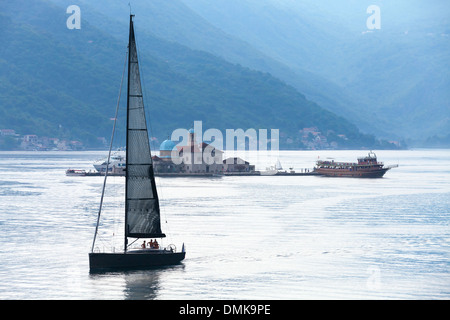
(43, 89)
(386, 70)
(55, 79)
(176, 22)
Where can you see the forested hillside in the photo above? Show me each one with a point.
(64, 83)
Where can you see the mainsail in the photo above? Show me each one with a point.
(142, 214)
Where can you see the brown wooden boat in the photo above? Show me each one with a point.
(366, 167)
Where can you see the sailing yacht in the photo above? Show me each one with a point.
(142, 211)
(116, 164)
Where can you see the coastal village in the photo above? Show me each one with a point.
(193, 159)
(203, 159)
(311, 138)
(10, 140)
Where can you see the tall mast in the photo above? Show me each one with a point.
(128, 114)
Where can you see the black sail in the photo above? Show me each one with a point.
(142, 214)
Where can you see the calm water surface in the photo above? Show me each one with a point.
(246, 237)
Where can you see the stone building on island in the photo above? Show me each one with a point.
(196, 158)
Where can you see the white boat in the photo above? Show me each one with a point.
(117, 164)
(270, 171)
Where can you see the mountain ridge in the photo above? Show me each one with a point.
(393, 74)
(77, 73)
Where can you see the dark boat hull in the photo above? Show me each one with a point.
(139, 259)
(378, 173)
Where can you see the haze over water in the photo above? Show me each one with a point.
(263, 237)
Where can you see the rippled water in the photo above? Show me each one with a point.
(261, 237)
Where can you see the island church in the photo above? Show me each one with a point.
(200, 158)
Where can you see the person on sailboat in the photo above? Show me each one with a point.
(143, 245)
(150, 244)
